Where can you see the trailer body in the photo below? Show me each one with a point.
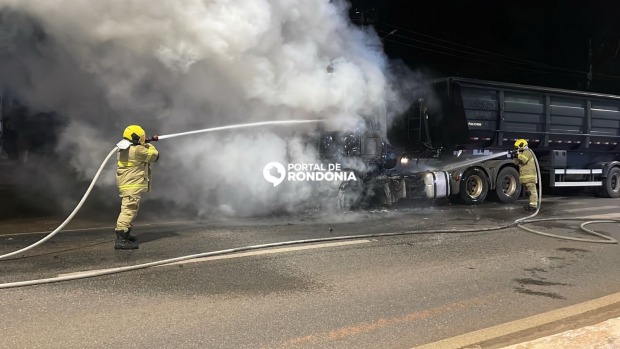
(454, 138)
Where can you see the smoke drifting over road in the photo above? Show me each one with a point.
(176, 66)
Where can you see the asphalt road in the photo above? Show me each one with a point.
(370, 292)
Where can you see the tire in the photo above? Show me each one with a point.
(508, 186)
(611, 184)
(474, 187)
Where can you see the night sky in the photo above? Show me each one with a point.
(544, 43)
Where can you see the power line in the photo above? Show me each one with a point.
(486, 57)
(542, 65)
(543, 68)
(483, 61)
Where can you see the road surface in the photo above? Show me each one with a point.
(397, 291)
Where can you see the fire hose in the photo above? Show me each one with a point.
(529, 219)
(124, 144)
(519, 223)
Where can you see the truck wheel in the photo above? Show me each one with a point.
(611, 184)
(474, 186)
(508, 186)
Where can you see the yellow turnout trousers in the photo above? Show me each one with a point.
(531, 187)
(130, 204)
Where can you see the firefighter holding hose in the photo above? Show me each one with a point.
(133, 178)
(525, 158)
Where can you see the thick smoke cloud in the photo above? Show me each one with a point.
(177, 66)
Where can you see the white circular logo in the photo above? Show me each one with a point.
(274, 173)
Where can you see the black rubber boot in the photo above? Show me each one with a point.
(129, 236)
(529, 208)
(124, 241)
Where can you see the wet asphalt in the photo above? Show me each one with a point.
(371, 292)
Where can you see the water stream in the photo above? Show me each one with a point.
(228, 127)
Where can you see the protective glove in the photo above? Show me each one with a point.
(513, 153)
(155, 138)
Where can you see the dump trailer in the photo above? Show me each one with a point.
(454, 139)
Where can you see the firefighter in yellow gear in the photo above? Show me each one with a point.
(133, 178)
(528, 176)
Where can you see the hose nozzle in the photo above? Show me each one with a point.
(155, 138)
(513, 153)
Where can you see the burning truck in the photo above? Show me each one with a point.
(453, 142)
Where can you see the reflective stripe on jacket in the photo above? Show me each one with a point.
(134, 169)
(527, 166)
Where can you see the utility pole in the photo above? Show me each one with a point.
(589, 75)
(1, 125)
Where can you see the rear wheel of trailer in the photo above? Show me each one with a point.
(507, 185)
(611, 184)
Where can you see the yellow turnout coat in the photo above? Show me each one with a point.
(134, 169)
(527, 166)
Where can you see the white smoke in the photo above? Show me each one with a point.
(177, 66)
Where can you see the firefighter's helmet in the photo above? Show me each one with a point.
(135, 134)
(521, 144)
